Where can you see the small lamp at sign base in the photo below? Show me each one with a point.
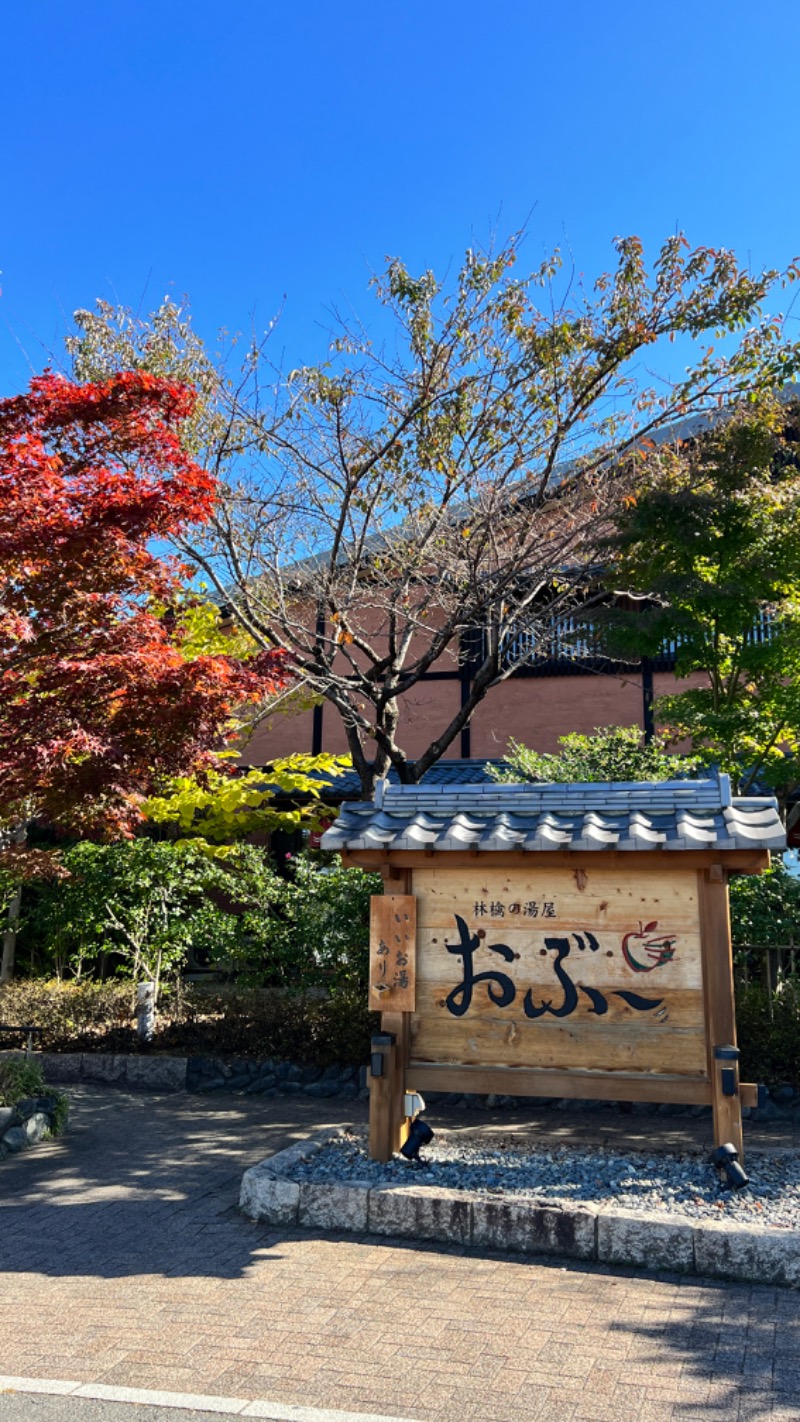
(419, 1135)
(726, 1159)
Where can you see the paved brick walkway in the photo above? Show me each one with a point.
(125, 1262)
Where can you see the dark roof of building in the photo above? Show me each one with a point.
(629, 815)
(444, 773)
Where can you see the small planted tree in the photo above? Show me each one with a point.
(610, 753)
(99, 704)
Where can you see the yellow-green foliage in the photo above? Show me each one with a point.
(226, 808)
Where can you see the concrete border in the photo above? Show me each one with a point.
(189, 1401)
(605, 1234)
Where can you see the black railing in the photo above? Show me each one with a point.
(569, 642)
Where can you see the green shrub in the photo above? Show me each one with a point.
(609, 753)
(138, 909)
(19, 1078)
(324, 937)
(765, 908)
(769, 1033)
(72, 1015)
(316, 1029)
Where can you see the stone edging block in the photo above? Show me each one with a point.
(608, 1234)
(754, 1253)
(529, 1227)
(424, 1212)
(156, 1073)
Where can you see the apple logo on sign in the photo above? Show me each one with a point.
(647, 953)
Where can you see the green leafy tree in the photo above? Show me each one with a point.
(382, 505)
(610, 753)
(765, 908)
(709, 543)
(325, 935)
(146, 904)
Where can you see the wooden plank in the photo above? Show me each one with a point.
(521, 1043)
(740, 861)
(395, 881)
(392, 952)
(544, 895)
(748, 1091)
(720, 1008)
(593, 1086)
(680, 1006)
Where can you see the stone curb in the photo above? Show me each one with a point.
(604, 1234)
(114, 1069)
(196, 1074)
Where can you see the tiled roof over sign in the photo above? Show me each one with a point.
(672, 814)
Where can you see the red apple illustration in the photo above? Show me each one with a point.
(647, 953)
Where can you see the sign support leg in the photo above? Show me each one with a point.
(720, 1008)
(382, 1058)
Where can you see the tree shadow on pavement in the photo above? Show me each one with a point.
(141, 1184)
(721, 1350)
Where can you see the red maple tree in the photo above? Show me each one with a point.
(97, 703)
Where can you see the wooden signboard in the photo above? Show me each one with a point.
(545, 967)
(601, 976)
(392, 953)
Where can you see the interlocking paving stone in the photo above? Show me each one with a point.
(125, 1262)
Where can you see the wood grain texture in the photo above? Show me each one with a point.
(573, 1085)
(519, 1043)
(608, 932)
(392, 953)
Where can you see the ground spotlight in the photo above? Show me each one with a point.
(419, 1135)
(726, 1159)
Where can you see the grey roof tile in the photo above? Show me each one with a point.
(673, 814)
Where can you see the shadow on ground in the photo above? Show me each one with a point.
(144, 1184)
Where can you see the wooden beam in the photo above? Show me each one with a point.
(398, 1025)
(388, 1126)
(573, 1085)
(739, 861)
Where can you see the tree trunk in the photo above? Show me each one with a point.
(10, 937)
(145, 1011)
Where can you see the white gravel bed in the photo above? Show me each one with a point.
(685, 1184)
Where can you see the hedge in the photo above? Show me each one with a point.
(311, 1029)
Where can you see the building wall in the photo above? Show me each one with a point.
(534, 710)
(537, 710)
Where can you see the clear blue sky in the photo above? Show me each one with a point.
(247, 152)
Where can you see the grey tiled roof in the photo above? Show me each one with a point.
(672, 814)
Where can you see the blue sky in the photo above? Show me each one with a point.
(251, 153)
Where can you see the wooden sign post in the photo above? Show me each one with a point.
(601, 973)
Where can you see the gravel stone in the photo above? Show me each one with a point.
(683, 1184)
